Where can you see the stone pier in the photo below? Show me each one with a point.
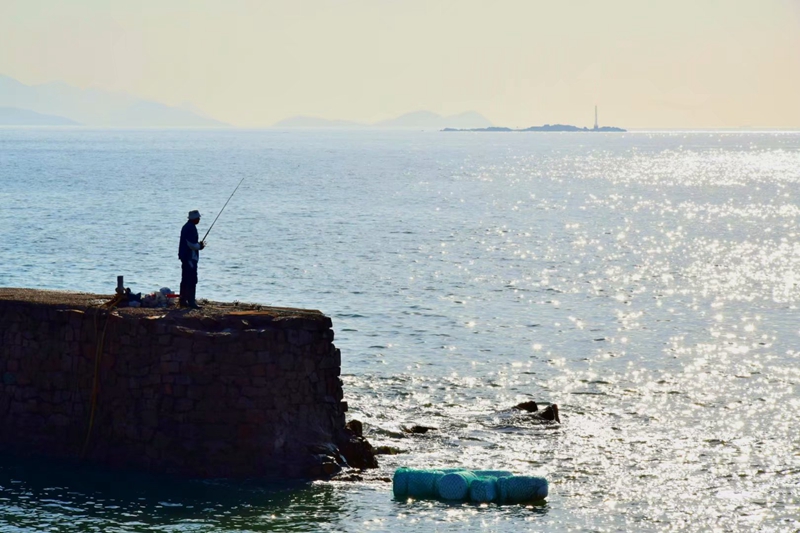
(232, 390)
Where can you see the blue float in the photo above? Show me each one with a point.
(478, 486)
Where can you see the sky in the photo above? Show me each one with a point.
(251, 63)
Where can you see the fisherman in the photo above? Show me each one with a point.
(189, 254)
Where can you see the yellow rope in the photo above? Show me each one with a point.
(98, 353)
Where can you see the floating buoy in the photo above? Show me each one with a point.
(478, 486)
(483, 490)
(455, 485)
(518, 489)
(422, 483)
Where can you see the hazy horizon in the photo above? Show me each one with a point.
(676, 65)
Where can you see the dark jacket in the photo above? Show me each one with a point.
(188, 235)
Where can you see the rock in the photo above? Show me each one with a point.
(530, 406)
(356, 427)
(349, 477)
(388, 450)
(550, 413)
(330, 468)
(419, 429)
(356, 450)
(326, 461)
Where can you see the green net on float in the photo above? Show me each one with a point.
(477, 486)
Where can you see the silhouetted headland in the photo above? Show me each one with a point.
(546, 127)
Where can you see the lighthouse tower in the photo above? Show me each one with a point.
(595, 118)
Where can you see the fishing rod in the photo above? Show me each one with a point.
(221, 210)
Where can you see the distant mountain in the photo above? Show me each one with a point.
(415, 120)
(313, 122)
(13, 116)
(143, 114)
(93, 107)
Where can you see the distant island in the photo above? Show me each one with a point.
(546, 127)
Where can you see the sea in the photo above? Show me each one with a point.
(646, 282)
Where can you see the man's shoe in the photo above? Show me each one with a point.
(194, 305)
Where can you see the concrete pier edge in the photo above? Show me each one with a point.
(230, 391)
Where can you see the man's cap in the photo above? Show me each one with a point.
(194, 214)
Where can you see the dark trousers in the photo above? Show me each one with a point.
(188, 282)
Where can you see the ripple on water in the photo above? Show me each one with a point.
(644, 282)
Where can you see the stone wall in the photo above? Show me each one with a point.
(229, 391)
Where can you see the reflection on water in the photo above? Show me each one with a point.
(49, 495)
(646, 282)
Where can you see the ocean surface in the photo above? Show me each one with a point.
(646, 282)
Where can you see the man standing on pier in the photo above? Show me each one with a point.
(189, 254)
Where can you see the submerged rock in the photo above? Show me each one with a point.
(356, 427)
(356, 450)
(419, 429)
(349, 476)
(549, 413)
(388, 450)
(350, 451)
(327, 461)
(530, 406)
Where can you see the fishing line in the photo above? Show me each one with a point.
(221, 210)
